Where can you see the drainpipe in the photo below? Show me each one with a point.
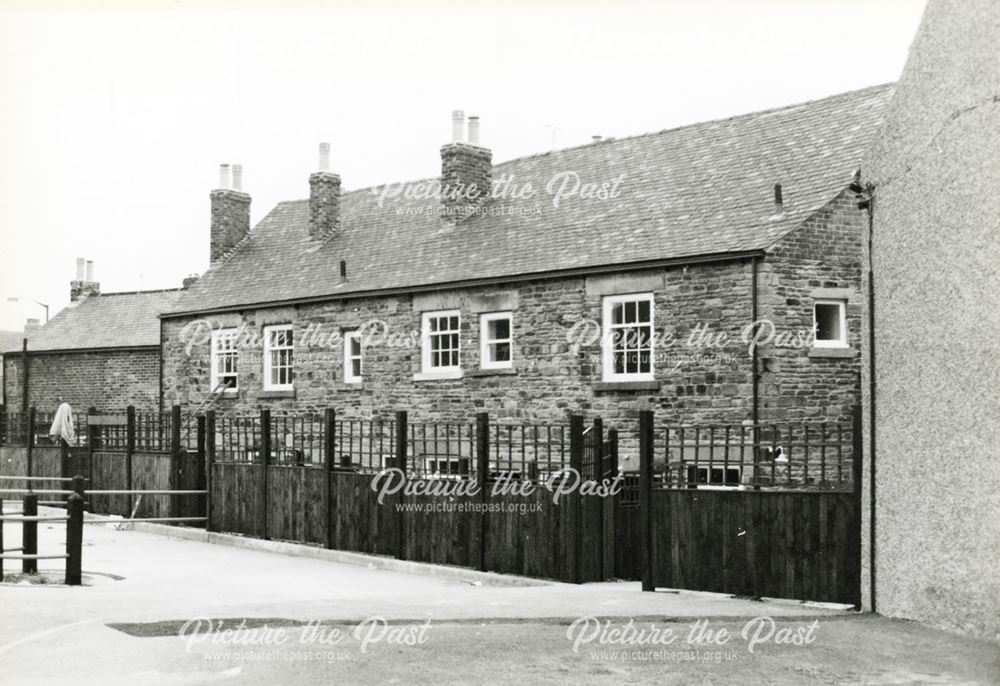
(755, 402)
(870, 200)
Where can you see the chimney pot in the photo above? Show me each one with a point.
(90, 271)
(474, 130)
(237, 177)
(458, 126)
(597, 139)
(79, 268)
(324, 157)
(224, 176)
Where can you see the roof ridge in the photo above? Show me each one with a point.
(619, 139)
(151, 290)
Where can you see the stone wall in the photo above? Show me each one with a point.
(698, 379)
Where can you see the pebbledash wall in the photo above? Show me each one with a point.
(937, 329)
(551, 376)
(105, 379)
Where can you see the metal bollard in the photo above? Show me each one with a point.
(74, 540)
(30, 536)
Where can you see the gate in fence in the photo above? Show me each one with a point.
(755, 510)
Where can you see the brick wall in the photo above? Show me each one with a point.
(698, 383)
(105, 380)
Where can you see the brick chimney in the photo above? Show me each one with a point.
(83, 286)
(31, 326)
(324, 198)
(230, 213)
(466, 169)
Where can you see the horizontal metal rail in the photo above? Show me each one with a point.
(32, 518)
(5, 556)
(145, 519)
(41, 491)
(146, 492)
(11, 550)
(40, 478)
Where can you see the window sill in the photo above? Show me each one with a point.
(264, 395)
(438, 376)
(353, 385)
(500, 371)
(832, 352)
(610, 386)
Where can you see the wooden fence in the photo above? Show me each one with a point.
(311, 479)
(754, 510)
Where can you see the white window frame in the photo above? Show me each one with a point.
(215, 375)
(485, 359)
(843, 342)
(349, 357)
(268, 349)
(708, 484)
(438, 372)
(607, 338)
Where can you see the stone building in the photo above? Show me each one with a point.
(604, 279)
(102, 351)
(936, 215)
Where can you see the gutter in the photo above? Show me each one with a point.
(116, 349)
(486, 281)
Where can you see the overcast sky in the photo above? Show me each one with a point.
(113, 123)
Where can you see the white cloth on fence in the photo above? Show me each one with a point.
(62, 424)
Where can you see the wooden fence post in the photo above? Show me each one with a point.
(857, 457)
(598, 477)
(29, 537)
(611, 506)
(74, 540)
(91, 446)
(203, 470)
(645, 486)
(1, 540)
(175, 460)
(3, 425)
(209, 462)
(265, 459)
(482, 472)
(329, 453)
(129, 446)
(400, 450)
(573, 504)
(30, 443)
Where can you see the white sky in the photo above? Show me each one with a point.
(113, 123)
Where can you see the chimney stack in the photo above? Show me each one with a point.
(230, 213)
(324, 198)
(31, 326)
(83, 286)
(466, 169)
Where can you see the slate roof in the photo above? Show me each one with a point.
(109, 320)
(690, 191)
(10, 340)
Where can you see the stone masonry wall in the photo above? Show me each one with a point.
(697, 382)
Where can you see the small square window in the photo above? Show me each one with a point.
(496, 341)
(830, 324)
(441, 343)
